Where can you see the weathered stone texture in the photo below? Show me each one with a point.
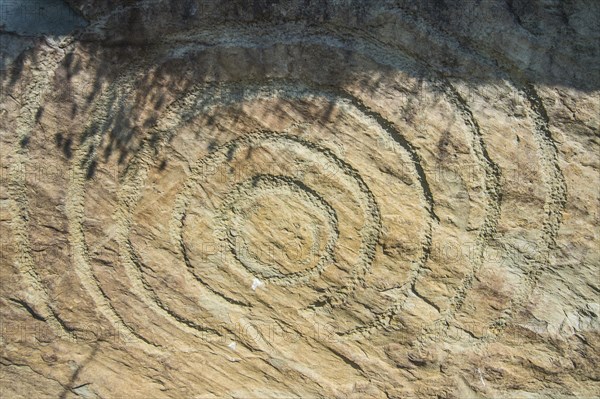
(250, 199)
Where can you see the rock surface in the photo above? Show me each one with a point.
(251, 199)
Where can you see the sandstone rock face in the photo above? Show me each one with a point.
(252, 199)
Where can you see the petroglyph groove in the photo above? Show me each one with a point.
(554, 204)
(493, 187)
(371, 228)
(412, 156)
(554, 180)
(227, 93)
(493, 191)
(236, 92)
(185, 324)
(35, 93)
(128, 196)
(553, 177)
(75, 208)
(384, 319)
(431, 201)
(287, 34)
(204, 97)
(207, 96)
(164, 137)
(82, 159)
(245, 194)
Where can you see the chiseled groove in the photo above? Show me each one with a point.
(557, 188)
(422, 180)
(172, 120)
(370, 49)
(75, 213)
(370, 232)
(190, 267)
(17, 187)
(554, 204)
(282, 87)
(134, 273)
(75, 210)
(494, 198)
(303, 89)
(128, 201)
(492, 190)
(555, 181)
(129, 194)
(269, 181)
(384, 319)
(288, 34)
(400, 139)
(189, 326)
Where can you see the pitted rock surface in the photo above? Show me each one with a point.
(252, 199)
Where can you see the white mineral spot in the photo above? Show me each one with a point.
(256, 283)
(481, 376)
(232, 345)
